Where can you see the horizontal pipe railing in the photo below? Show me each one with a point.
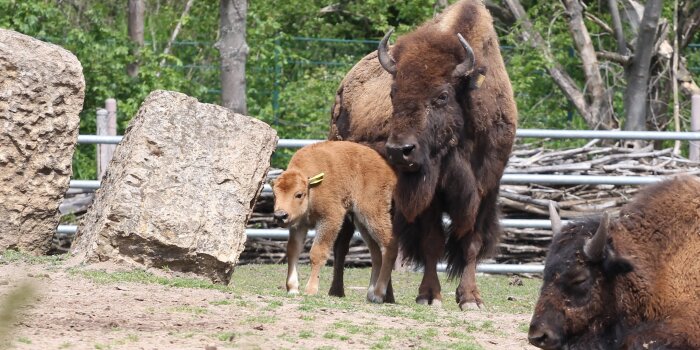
(278, 233)
(522, 133)
(507, 179)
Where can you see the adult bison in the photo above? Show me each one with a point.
(439, 106)
(628, 283)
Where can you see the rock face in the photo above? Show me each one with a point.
(41, 94)
(179, 189)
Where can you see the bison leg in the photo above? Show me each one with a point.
(340, 251)
(326, 233)
(295, 244)
(467, 294)
(432, 245)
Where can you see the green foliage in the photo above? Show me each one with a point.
(292, 71)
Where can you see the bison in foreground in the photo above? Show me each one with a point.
(631, 282)
(439, 106)
(324, 185)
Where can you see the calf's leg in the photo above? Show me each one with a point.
(295, 244)
(326, 233)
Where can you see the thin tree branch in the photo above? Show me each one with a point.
(176, 31)
(555, 70)
(599, 22)
(614, 57)
(595, 86)
(674, 73)
(617, 25)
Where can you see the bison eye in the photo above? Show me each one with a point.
(298, 195)
(441, 100)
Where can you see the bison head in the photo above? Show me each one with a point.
(577, 296)
(430, 72)
(291, 191)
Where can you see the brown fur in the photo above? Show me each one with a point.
(658, 236)
(464, 143)
(357, 184)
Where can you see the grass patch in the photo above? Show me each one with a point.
(141, 276)
(261, 319)
(220, 302)
(12, 256)
(191, 310)
(306, 334)
(225, 336)
(24, 340)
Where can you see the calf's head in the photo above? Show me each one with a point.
(577, 296)
(430, 72)
(291, 191)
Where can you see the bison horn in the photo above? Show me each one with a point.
(467, 67)
(385, 58)
(595, 246)
(555, 219)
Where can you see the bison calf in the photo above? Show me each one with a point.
(631, 282)
(324, 184)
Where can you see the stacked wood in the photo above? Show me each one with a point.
(525, 201)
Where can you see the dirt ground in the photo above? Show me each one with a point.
(71, 310)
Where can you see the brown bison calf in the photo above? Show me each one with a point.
(631, 282)
(324, 183)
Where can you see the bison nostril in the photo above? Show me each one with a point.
(407, 149)
(541, 337)
(280, 215)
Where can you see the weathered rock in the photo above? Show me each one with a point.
(179, 189)
(41, 94)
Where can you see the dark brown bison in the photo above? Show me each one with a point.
(439, 106)
(631, 282)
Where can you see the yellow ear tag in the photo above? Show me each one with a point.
(479, 80)
(316, 179)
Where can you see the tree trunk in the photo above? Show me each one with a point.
(233, 51)
(137, 10)
(636, 101)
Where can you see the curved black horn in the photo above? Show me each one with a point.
(595, 246)
(555, 219)
(385, 58)
(467, 67)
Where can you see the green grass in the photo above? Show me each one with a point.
(141, 276)
(12, 256)
(191, 310)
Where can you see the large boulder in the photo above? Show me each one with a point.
(179, 189)
(41, 95)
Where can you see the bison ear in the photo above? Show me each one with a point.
(615, 265)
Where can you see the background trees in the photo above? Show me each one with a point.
(570, 61)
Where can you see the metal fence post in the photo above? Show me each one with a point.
(694, 151)
(111, 107)
(103, 152)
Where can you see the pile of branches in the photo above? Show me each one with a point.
(526, 245)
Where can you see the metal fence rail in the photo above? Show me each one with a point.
(522, 133)
(506, 179)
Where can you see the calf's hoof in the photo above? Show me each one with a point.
(293, 292)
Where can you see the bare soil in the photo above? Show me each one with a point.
(71, 311)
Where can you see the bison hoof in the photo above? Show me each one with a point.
(436, 303)
(470, 305)
(374, 298)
